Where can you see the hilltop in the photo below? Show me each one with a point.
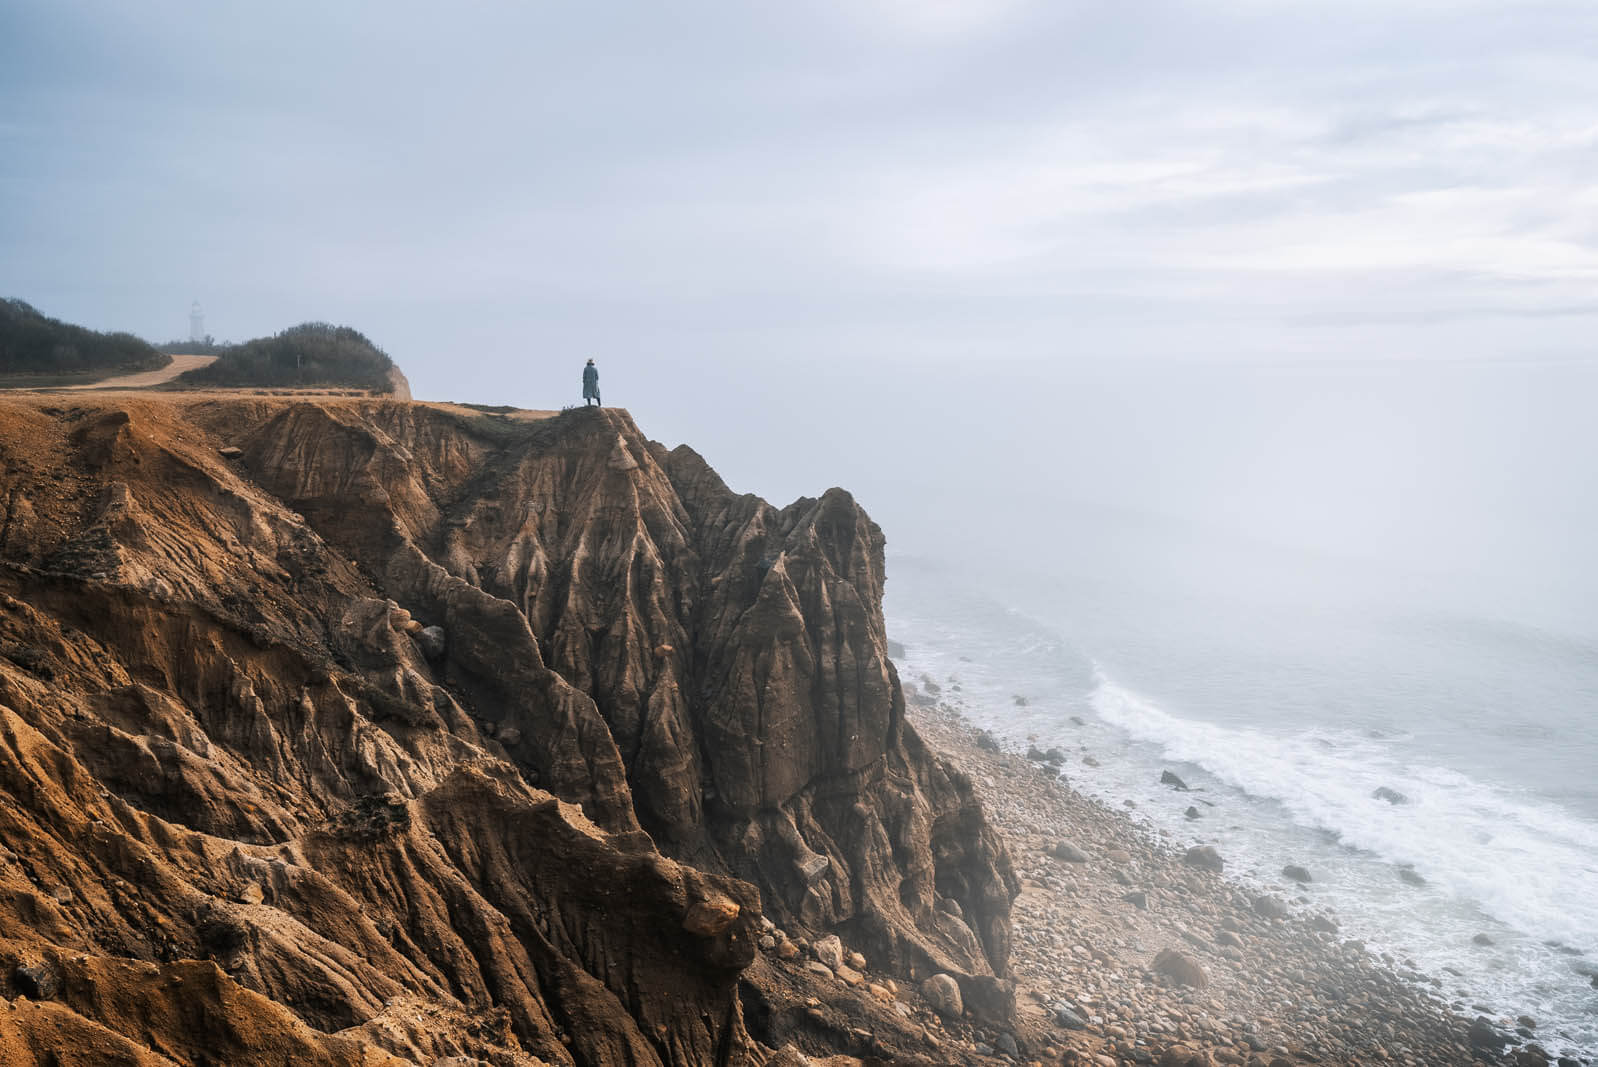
(313, 354)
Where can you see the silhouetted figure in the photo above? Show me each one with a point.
(591, 384)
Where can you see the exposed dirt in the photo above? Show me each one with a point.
(145, 379)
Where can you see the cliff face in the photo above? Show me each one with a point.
(256, 807)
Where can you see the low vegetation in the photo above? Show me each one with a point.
(33, 344)
(313, 353)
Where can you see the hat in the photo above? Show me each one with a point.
(590, 363)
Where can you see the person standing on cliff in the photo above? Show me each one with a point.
(591, 384)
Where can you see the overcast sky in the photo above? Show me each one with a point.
(769, 222)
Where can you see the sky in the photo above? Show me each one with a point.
(1324, 273)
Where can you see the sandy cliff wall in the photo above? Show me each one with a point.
(235, 758)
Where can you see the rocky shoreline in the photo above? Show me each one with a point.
(1127, 950)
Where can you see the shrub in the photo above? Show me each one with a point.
(33, 343)
(314, 353)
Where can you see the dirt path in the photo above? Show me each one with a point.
(145, 379)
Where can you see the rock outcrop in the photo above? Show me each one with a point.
(406, 732)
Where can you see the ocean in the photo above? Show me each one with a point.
(1286, 691)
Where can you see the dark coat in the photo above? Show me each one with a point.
(590, 383)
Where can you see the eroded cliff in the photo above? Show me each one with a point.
(357, 732)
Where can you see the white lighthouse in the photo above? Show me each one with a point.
(196, 323)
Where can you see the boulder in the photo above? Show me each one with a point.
(1068, 853)
(1137, 898)
(1295, 873)
(1269, 907)
(1485, 1036)
(829, 950)
(1067, 1017)
(1205, 858)
(788, 1056)
(942, 994)
(711, 916)
(1411, 876)
(1167, 778)
(1481, 939)
(1191, 813)
(1392, 796)
(36, 981)
(432, 641)
(1180, 968)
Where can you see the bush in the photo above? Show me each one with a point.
(33, 343)
(314, 353)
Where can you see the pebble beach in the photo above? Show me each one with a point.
(1129, 948)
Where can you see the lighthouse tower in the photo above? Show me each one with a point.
(196, 323)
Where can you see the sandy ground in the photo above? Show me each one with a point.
(145, 379)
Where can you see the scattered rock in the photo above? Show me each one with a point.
(1137, 898)
(230, 452)
(509, 736)
(1392, 796)
(1005, 1043)
(942, 994)
(1180, 968)
(1410, 875)
(1119, 856)
(987, 742)
(1481, 939)
(1191, 813)
(1205, 858)
(1296, 873)
(1167, 778)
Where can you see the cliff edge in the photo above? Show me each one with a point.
(358, 732)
